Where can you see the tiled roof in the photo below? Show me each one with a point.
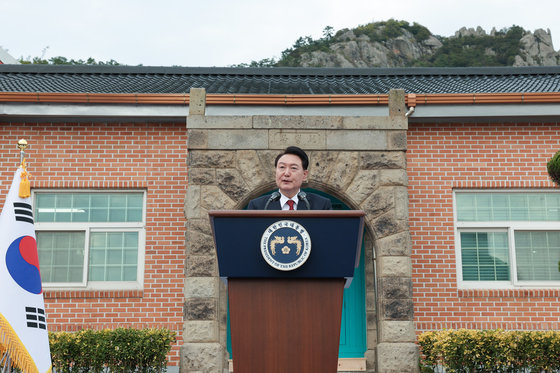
(125, 79)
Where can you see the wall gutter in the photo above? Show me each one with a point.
(283, 100)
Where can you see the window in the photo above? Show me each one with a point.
(508, 239)
(92, 240)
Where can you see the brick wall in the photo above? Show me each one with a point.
(148, 156)
(442, 157)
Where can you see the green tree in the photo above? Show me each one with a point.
(60, 60)
(328, 33)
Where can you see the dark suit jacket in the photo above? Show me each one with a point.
(316, 202)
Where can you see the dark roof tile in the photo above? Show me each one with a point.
(126, 79)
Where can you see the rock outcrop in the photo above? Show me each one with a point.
(360, 51)
(537, 50)
(350, 49)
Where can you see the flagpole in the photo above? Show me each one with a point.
(22, 145)
(5, 362)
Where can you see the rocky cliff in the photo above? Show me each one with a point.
(398, 44)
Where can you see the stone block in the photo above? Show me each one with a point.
(202, 357)
(197, 139)
(237, 139)
(287, 122)
(200, 225)
(394, 287)
(343, 170)
(401, 203)
(201, 287)
(393, 177)
(397, 309)
(371, 360)
(305, 139)
(201, 331)
(363, 184)
(197, 101)
(219, 122)
(320, 164)
(397, 358)
(201, 266)
(387, 225)
(192, 202)
(398, 244)
(400, 266)
(249, 166)
(375, 123)
(379, 202)
(382, 160)
(232, 183)
(201, 309)
(210, 159)
(356, 140)
(370, 301)
(371, 320)
(199, 243)
(213, 198)
(396, 140)
(202, 176)
(267, 158)
(397, 331)
(371, 337)
(397, 106)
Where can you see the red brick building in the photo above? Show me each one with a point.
(114, 150)
(498, 159)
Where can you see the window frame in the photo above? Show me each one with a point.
(91, 227)
(510, 227)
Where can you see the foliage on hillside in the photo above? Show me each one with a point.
(498, 49)
(59, 60)
(486, 50)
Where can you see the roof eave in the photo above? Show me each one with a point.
(283, 100)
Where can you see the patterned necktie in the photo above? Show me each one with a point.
(291, 204)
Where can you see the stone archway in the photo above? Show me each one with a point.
(361, 160)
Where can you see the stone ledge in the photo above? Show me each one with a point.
(349, 140)
(375, 123)
(217, 122)
(296, 122)
(232, 139)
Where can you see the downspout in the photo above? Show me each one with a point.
(411, 100)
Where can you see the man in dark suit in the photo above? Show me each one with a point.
(291, 172)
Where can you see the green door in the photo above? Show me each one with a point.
(353, 324)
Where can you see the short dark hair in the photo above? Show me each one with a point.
(295, 151)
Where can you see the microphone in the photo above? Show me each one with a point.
(303, 197)
(273, 197)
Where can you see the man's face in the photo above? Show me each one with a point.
(290, 174)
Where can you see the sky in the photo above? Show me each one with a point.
(228, 32)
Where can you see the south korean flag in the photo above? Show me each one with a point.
(23, 327)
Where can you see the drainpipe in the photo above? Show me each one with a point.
(411, 98)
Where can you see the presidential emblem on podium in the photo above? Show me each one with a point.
(285, 245)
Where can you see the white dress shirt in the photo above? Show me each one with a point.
(284, 200)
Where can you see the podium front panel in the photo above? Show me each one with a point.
(335, 243)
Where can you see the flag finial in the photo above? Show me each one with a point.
(24, 187)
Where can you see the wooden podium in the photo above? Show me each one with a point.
(286, 320)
